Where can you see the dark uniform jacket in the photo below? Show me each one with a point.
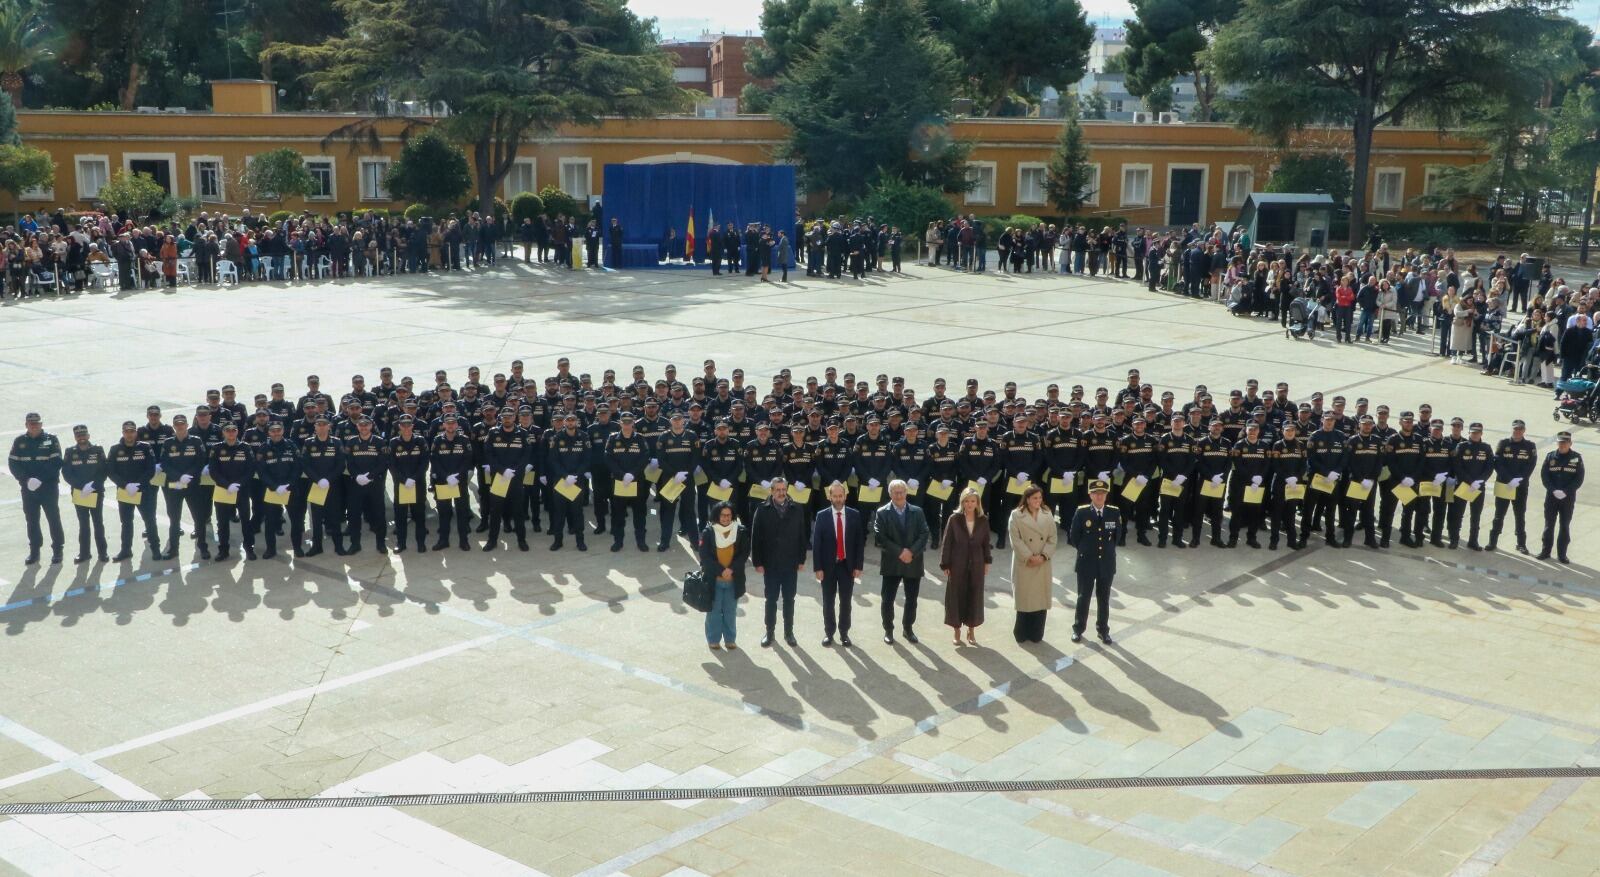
(1095, 537)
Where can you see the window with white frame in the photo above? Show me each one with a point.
(322, 179)
(1136, 185)
(981, 178)
(1091, 189)
(1430, 186)
(575, 179)
(1236, 185)
(372, 173)
(522, 177)
(1116, 106)
(205, 175)
(1388, 188)
(93, 173)
(1031, 183)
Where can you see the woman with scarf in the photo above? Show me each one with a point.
(724, 550)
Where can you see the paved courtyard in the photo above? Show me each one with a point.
(508, 672)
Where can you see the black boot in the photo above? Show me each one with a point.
(441, 543)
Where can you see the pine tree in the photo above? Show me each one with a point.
(1068, 176)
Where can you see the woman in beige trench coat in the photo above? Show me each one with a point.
(1033, 543)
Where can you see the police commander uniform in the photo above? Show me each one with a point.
(1094, 531)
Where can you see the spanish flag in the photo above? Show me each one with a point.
(688, 239)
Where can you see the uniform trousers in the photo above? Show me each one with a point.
(453, 510)
(229, 513)
(1460, 508)
(91, 519)
(146, 508)
(1519, 512)
(1557, 522)
(365, 502)
(46, 501)
(680, 511)
(1172, 514)
(625, 507)
(414, 513)
(566, 515)
(1096, 584)
(199, 512)
(1284, 513)
(505, 513)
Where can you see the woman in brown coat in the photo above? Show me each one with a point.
(965, 560)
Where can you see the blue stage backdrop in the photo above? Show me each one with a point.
(649, 199)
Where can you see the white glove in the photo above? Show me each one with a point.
(205, 470)
(452, 480)
(158, 467)
(1291, 480)
(871, 482)
(1179, 479)
(1069, 477)
(1118, 468)
(1334, 477)
(486, 468)
(1367, 483)
(766, 485)
(34, 484)
(363, 479)
(1559, 494)
(542, 480)
(1451, 481)
(1104, 476)
(1255, 481)
(1477, 485)
(1407, 482)
(627, 478)
(185, 480)
(1022, 477)
(1216, 479)
(724, 484)
(1516, 482)
(133, 488)
(322, 483)
(913, 483)
(282, 488)
(508, 473)
(528, 468)
(1141, 479)
(411, 482)
(654, 462)
(572, 480)
(233, 488)
(681, 477)
(982, 480)
(1439, 479)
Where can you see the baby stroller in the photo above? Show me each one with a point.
(1580, 397)
(1302, 318)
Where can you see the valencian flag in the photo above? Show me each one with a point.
(688, 239)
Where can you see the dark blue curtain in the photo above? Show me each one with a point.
(649, 199)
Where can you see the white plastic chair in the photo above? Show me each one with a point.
(227, 273)
(324, 267)
(101, 275)
(186, 270)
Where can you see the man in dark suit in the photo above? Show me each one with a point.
(901, 530)
(1094, 533)
(838, 541)
(778, 552)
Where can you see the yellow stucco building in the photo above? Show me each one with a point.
(1149, 174)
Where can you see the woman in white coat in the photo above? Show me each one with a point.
(1033, 542)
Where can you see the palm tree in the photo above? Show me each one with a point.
(23, 42)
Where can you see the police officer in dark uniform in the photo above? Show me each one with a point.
(1214, 459)
(1175, 453)
(908, 461)
(722, 459)
(1137, 454)
(278, 469)
(627, 454)
(677, 452)
(1093, 532)
(322, 462)
(943, 456)
(979, 465)
(533, 500)
(1514, 461)
(1364, 454)
(1326, 450)
(131, 465)
(1250, 458)
(567, 456)
(35, 462)
(1471, 462)
(1436, 466)
(83, 467)
(869, 456)
(256, 436)
(1063, 458)
(408, 463)
(450, 458)
(832, 458)
(232, 466)
(1021, 458)
(367, 463)
(1403, 457)
(1562, 475)
(763, 461)
(600, 474)
(1288, 470)
(506, 454)
(182, 456)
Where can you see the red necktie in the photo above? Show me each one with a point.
(838, 535)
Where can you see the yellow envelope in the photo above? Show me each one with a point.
(652, 474)
(1213, 490)
(444, 492)
(1118, 476)
(1430, 488)
(624, 489)
(86, 498)
(863, 494)
(797, 491)
(1355, 491)
(221, 494)
(1384, 475)
(718, 493)
(912, 491)
(976, 487)
(700, 479)
(529, 477)
(1465, 491)
(570, 492)
(1060, 485)
(1503, 490)
(207, 481)
(276, 498)
(758, 493)
(501, 486)
(1013, 486)
(1322, 484)
(1133, 489)
(1292, 492)
(938, 491)
(1171, 488)
(1254, 495)
(317, 495)
(670, 490)
(124, 496)
(404, 495)
(158, 480)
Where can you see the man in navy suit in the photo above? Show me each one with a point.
(838, 541)
(1094, 532)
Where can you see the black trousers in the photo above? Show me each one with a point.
(329, 517)
(199, 512)
(415, 513)
(365, 502)
(1557, 512)
(1246, 516)
(1206, 506)
(603, 489)
(1387, 502)
(456, 510)
(1029, 627)
(91, 519)
(837, 588)
(229, 514)
(1174, 514)
(1438, 508)
(780, 585)
(1460, 508)
(147, 511)
(566, 516)
(268, 516)
(681, 511)
(1519, 512)
(1320, 509)
(1284, 513)
(891, 586)
(505, 513)
(625, 507)
(1092, 583)
(45, 501)
(1357, 512)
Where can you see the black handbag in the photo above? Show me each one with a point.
(697, 591)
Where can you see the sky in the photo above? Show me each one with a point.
(682, 20)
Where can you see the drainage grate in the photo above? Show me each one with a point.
(602, 796)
